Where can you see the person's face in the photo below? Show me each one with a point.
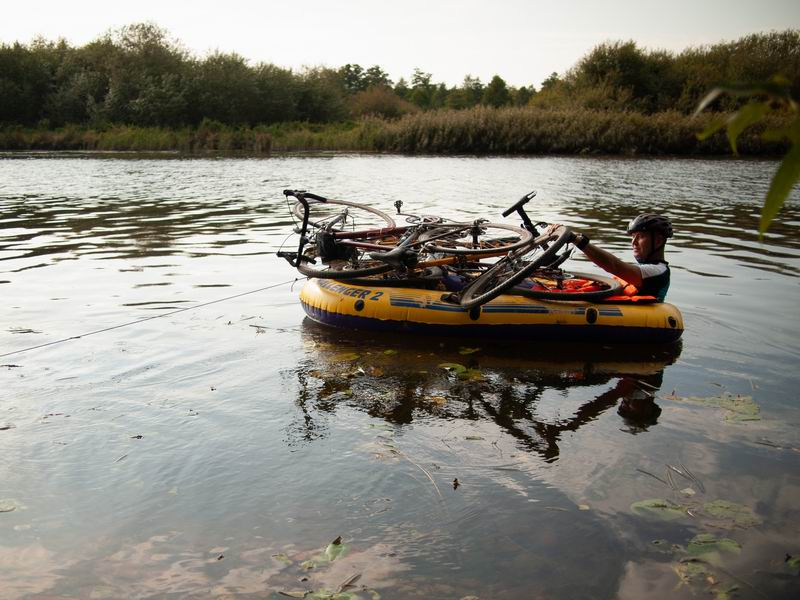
(640, 243)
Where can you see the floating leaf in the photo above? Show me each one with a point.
(737, 514)
(584, 507)
(346, 356)
(8, 505)
(658, 508)
(463, 350)
(454, 367)
(703, 543)
(739, 408)
(793, 562)
(438, 400)
(725, 594)
(390, 352)
(692, 569)
(294, 593)
(308, 565)
(335, 549)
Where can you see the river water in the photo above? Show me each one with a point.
(218, 451)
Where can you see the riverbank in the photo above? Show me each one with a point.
(480, 131)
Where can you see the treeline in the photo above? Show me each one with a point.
(139, 81)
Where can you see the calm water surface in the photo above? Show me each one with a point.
(217, 452)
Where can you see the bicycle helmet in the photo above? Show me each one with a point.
(649, 222)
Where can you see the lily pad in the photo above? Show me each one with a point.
(658, 508)
(463, 350)
(454, 368)
(793, 562)
(335, 549)
(703, 543)
(8, 505)
(737, 408)
(692, 570)
(734, 514)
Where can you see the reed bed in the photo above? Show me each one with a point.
(480, 131)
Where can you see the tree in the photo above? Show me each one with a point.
(375, 76)
(522, 96)
(552, 81)
(225, 90)
(352, 78)
(421, 89)
(496, 93)
(380, 101)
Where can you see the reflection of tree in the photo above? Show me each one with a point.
(401, 389)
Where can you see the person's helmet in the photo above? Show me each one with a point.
(648, 222)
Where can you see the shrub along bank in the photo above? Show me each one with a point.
(480, 130)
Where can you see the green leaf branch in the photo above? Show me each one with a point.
(770, 98)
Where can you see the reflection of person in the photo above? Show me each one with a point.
(637, 407)
(650, 276)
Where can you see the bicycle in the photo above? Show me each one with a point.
(538, 262)
(354, 253)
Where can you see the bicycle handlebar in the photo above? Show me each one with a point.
(300, 194)
(520, 203)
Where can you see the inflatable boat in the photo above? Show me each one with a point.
(396, 309)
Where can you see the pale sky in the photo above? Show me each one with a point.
(523, 41)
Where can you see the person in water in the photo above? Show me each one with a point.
(650, 276)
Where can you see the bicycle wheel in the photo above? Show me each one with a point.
(360, 216)
(352, 261)
(573, 287)
(512, 269)
(476, 239)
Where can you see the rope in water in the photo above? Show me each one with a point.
(173, 312)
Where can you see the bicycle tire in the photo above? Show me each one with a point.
(298, 211)
(613, 289)
(524, 238)
(506, 272)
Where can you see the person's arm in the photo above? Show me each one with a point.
(610, 263)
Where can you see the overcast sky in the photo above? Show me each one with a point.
(523, 41)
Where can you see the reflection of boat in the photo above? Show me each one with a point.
(403, 378)
(378, 308)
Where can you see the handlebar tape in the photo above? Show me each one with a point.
(303, 194)
(519, 203)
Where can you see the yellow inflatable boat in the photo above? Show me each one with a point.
(376, 308)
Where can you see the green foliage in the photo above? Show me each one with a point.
(379, 101)
(496, 93)
(622, 76)
(478, 130)
(764, 99)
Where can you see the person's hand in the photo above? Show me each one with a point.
(553, 226)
